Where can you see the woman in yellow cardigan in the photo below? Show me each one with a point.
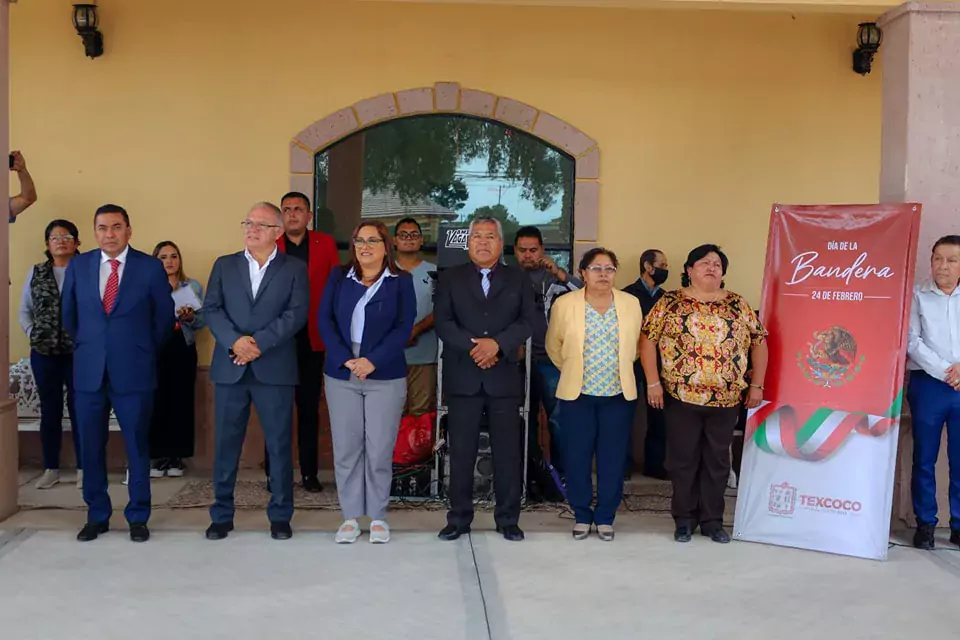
(592, 338)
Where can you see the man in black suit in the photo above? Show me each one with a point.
(654, 271)
(257, 300)
(483, 313)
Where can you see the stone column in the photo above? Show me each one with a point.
(920, 157)
(9, 457)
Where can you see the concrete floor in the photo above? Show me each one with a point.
(643, 585)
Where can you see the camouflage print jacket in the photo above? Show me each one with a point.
(47, 335)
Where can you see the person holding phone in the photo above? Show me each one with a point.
(28, 191)
(173, 422)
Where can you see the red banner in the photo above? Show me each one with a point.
(836, 298)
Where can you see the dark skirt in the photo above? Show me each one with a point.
(172, 426)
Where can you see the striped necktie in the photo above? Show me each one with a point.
(113, 286)
(485, 281)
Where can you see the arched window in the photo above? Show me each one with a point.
(443, 169)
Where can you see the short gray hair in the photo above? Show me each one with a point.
(269, 206)
(487, 220)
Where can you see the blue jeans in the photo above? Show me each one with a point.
(933, 403)
(52, 374)
(544, 383)
(596, 426)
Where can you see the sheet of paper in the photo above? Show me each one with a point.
(185, 297)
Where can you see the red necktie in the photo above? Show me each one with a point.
(113, 286)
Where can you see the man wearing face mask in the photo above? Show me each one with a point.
(647, 289)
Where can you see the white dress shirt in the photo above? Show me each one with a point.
(934, 344)
(256, 271)
(106, 269)
(359, 317)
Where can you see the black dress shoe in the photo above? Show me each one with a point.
(219, 530)
(924, 539)
(92, 530)
(717, 535)
(311, 484)
(452, 532)
(511, 532)
(280, 531)
(683, 534)
(955, 536)
(139, 532)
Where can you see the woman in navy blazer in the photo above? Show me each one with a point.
(366, 318)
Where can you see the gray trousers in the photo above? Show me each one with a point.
(364, 421)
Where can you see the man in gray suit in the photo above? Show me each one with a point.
(256, 302)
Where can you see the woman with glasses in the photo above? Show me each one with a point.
(592, 338)
(707, 338)
(173, 423)
(366, 316)
(51, 349)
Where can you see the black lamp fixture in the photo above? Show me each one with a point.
(869, 36)
(85, 20)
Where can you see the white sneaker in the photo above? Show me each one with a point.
(732, 480)
(348, 532)
(379, 532)
(79, 479)
(175, 469)
(126, 478)
(49, 479)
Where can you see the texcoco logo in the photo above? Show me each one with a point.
(783, 499)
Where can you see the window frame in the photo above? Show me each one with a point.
(567, 247)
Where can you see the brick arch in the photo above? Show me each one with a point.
(450, 97)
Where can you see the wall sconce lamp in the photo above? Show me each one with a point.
(869, 36)
(85, 21)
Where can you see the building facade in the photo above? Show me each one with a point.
(684, 120)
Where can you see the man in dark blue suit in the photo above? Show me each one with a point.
(257, 300)
(118, 309)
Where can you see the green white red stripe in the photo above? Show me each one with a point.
(777, 430)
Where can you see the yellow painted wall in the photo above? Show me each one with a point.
(704, 118)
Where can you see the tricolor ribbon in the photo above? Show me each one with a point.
(777, 430)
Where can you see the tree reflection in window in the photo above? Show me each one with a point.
(446, 168)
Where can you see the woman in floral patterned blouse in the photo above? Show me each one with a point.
(706, 336)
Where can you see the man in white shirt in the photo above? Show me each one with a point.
(257, 300)
(934, 391)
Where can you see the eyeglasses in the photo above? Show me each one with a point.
(367, 242)
(597, 269)
(63, 238)
(409, 235)
(250, 224)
